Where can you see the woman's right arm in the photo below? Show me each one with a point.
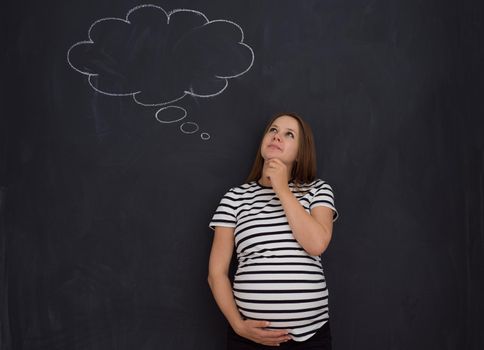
(218, 274)
(218, 279)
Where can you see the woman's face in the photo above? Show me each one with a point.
(281, 140)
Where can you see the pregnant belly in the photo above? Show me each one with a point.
(296, 301)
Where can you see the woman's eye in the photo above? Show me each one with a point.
(272, 129)
(290, 134)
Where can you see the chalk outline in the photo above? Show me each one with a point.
(168, 15)
(171, 121)
(189, 132)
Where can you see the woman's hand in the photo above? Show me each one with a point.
(255, 331)
(277, 173)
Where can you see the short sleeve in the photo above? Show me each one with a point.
(323, 197)
(225, 213)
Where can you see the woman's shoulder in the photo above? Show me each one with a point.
(314, 185)
(245, 188)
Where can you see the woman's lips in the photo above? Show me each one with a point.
(275, 147)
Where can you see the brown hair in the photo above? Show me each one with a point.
(304, 168)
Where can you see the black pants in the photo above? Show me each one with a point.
(319, 341)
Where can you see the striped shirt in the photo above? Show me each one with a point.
(276, 279)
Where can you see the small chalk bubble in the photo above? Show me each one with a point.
(205, 136)
(170, 114)
(189, 127)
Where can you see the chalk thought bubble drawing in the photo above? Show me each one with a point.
(159, 57)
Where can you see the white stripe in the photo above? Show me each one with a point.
(280, 296)
(291, 324)
(281, 315)
(283, 306)
(269, 268)
(280, 286)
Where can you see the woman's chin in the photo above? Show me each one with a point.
(272, 154)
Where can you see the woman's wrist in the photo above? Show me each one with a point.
(283, 192)
(237, 325)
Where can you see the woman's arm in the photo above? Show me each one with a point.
(312, 231)
(218, 268)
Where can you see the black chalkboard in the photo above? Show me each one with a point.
(123, 123)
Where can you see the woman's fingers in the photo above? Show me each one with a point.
(276, 162)
(274, 337)
(255, 331)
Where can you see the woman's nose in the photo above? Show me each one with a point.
(276, 136)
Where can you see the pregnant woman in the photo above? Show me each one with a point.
(280, 221)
